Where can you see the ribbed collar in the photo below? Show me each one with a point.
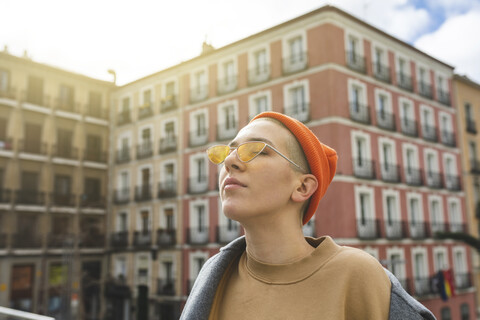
(325, 249)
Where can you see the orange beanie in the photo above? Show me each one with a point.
(321, 159)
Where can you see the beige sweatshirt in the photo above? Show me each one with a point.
(332, 283)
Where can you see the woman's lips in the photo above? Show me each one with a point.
(232, 183)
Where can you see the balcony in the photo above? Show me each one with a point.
(409, 127)
(142, 239)
(169, 103)
(26, 241)
(382, 72)
(34, 147)
(122, 156)
(429, 133)
(425, 90)
(368, 229)
(443, 97)
(359, 113)
(471, 125)
(199, 93)
(227, 233)
(435, 227)
(166, 237)
(356, 62)
(417, 230)
(119, 240)
(395, 230)
(92, 200)
(452, 182)
(198, 184)
(8, 93)
(123, 117)
(30, 197)
(197, 235)
(474, 166)
(143, 193)
(295, 63)
(363, 168)
(448, 138)
(62, 199)
(145, 111)
(390, 172)
(299, 111)
(422, 286)
(121, 196)
(227, 85)
(258, 75)
(167, 189)
(433, 179)
(457, 227)
(168, 144)
(463, 280)
(66, 151)
(37, 98)
(227, 131)
(405, 82)
(166, 287)
(69, 106)
(90, 241)
(144, 150)
(59, 241)
(95, 156)
(386, 120)
(97, 112)
(413, 176)
(198, 137)
(5, 195)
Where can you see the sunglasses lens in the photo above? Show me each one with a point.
(217, 154)
(248, 151)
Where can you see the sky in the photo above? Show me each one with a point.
(138, 38)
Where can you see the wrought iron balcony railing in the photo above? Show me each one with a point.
(368, 229)
(295, 63)
(63, 199)
(3, 240)
(95, 155)
(433, 179)
(259, 74)
(5, 195)
(463, 280)
(359, 112)
(144, 150)
(452, 182)
(443, 97)
(471, 125)
(124, 117)
(198, 137)
(119, 239)
(65, 151)
(422, 286)
(169, 103)
(356, 62)
(409, 127)
(395, 229)
(166, 287)
(29, 197)
(413, 176)
(364, 168)
(198, 93)
(121, 196)
(167, 189)
(417, 229)
(382, 72)
(429, 133)
(386, 120)
(89, 240)
(168, 144)
(448, 138)
(166, 237)
(425, 90)
(122, 156)
(227, 84)
(474, 166)
(27, 241)
(143, 193)
(145, 111)
(142, 239)
(390, 172)
(405, 82)
(33, 146)
(58, 241)
(92, 200)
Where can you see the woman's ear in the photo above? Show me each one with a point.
(304, 190)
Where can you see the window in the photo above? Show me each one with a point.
(361, 156)
(440, 259)
(199, 85)
(464, 311)
(229, 71)
(380, 64)
(357, 102)
(169, 89)
(259, 102)
(436, 215)
(354, 55)
(125, 105)
(121, 268)
(197, 259)
(297, 100)
(122, 225)
(199, 222)
(147, 98)
(452, 180)
(4, 81)
(260, 58)
(198, 173)
(169, 218)
(32, 138)
(420, 271)
(445, 314)
(396, 263)
(227, 119)
(392, 218)
(198, 127)
(65, 97)
(35, 90)
(455, 215)
(200, 79)
(64, 143)
(142, 269)
(365, 213)
(144, 221)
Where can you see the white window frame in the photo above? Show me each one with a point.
(121, 266)
(420, 66)
(362, 189)
(193, 82)
(414, 148)
(138, 219)
(193, 122)
(444, 115)
(167, 257)
(164, 123)
(411, 114)
(302, 34)
(163, 172)
(431, 199)
(119, 179)
(139, 174)
(424, 266)
(440, 265)
(118, 220)
(444, 78)
(124, 135)
(363, 91)
(434, 153)
(397, 217)
(223, 132)
(152, 97)
(192, 257)
(146, 257)
(303, 115)
(431, 115)
(221, 72)
(162, 220)
(384, 59)
(362, 135)
(130, 105)
(407, 71)
(455, 219)
(453, 159)
(415, 196)
(388, 103)
(401, 274)
(390, 142)
(460, 267)
(193, 172)
(252, 102)
(163, 87)
(349, 33)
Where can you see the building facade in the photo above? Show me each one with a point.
(467, 99)
(54, 134)
(385, 106)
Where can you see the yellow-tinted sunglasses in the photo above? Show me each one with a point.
(246, 152)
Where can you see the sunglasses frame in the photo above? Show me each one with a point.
(264, 146)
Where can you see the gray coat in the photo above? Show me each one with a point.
(199, 303)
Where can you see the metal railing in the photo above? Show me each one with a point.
(434, 179)
(198, 137)
(30, 197)
(166, 237)
(409, 127)
(144, 150)
(198, 93)
(425, 89)
(368, 229)
(169, 103)
(119, 239)
(121, 196)
(390, 172)
(65, 151)
(299, 111)
(471, 125)
(295, 62)
(359, 112)
(364, 168)
(167, 189)
(386, 120)
(227, 84)
(404, 81)
(443, 97)
(145, 111)
(429, 133)
(382, 72)
(124, 118)
(448, 138)
(356, 62)
(259, 74)
(168, 144)
(413, 176)
(143, 193)
(122, 155)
